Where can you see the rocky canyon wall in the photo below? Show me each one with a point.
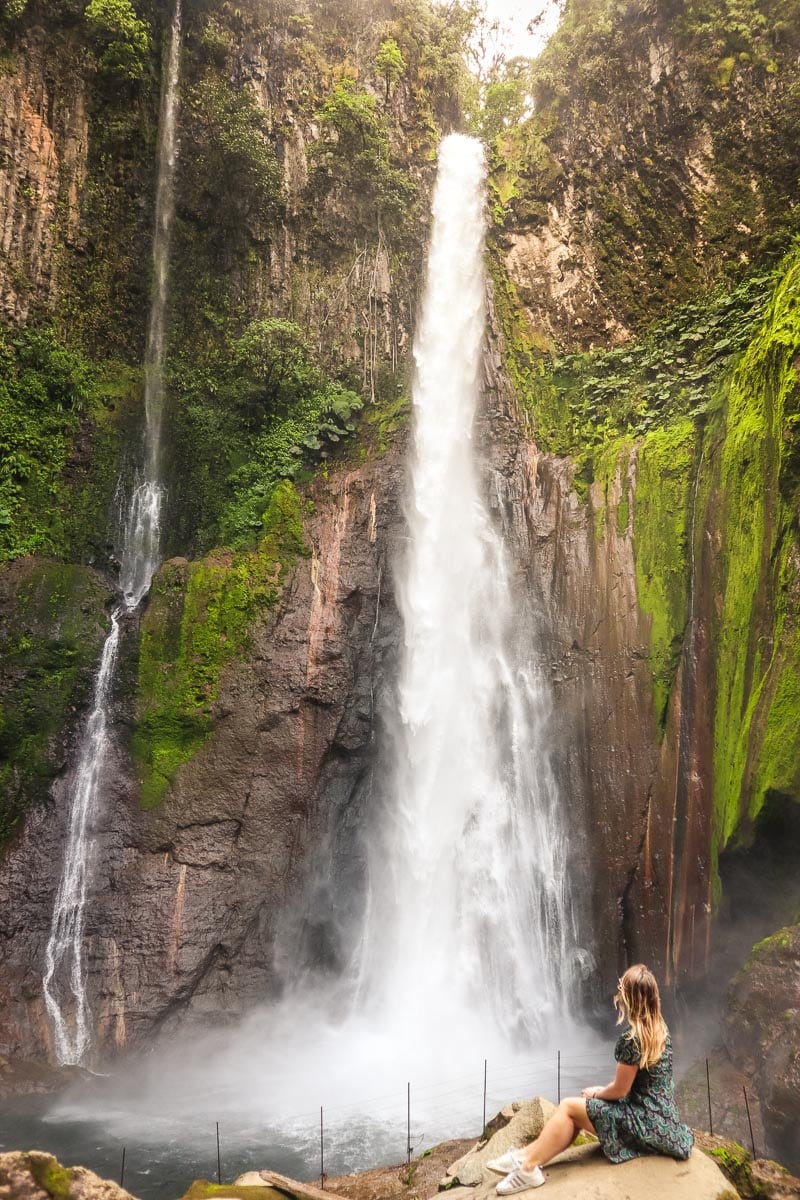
(647, 493)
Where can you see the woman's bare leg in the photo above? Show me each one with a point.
(560, 1131)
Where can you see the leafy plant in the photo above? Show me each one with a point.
(43, 390)
(124, 40)
(231, 178)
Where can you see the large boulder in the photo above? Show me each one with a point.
(583, 1172)
(37, 1176)
(761, 1029)
(516, 1125)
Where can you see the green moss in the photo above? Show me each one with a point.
(661, 523)
(50, 636)
(387, 418)
(201, 1189)
(528, 364)
(737, 1166)
(51, 1176)
(197, 621)
(757, 718)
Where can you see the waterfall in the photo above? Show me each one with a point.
(470, 906)
(64, 981)
(141, 533)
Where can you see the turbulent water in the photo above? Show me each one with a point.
(470, 888)
(64, 982)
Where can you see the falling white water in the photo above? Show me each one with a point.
(468, 951)
(64, 981)
(471, 919)
(141, 533)
(64, 953)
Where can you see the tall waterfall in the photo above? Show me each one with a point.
(470, 900)
(64, 982)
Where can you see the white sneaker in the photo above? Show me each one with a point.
(520, 1181)
(505, 1163)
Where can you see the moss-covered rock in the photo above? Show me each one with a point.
(660, 155)
(762, 1033)
(757, 635)
(201, 1189)
(27, 1176)
(754, 1179)
(197, 620)
(53, 623)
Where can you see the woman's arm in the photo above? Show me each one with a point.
(617, 1089)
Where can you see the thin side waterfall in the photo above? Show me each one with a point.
(64, 981)
(470, 906)
(141, 532)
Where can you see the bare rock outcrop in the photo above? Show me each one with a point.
(44, 132)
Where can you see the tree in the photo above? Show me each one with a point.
(390, 62)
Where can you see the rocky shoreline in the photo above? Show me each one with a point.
(718, 1169)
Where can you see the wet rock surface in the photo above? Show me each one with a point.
(761, 1028)
(189, 900)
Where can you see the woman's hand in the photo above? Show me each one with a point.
(590, 1093)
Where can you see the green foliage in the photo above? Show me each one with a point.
(390, 63)
(262, 412)
(232, 183)
(673, 372)
(197, 621)
(12, 10)
(354, 155)
(49, 643)
(44, 388)
(60, 421)
(124, 41)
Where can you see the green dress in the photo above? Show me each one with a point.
(646, 1121)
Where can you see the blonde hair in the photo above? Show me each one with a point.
(639, 1003)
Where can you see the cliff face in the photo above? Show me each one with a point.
(44, 131)
(187, 897)
(660, 158)
(647, 493)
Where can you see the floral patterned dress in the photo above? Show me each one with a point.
(646, 1121)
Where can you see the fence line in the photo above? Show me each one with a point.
(460, 1103)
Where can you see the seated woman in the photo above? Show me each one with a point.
(635, 1114)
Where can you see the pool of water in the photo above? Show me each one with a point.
(162, 1161)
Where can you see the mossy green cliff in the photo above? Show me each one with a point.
(198, 620)
(697, 425)
(52, 625)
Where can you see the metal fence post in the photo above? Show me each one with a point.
(485, 1069)
(749, 1122)
(708, 1089)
